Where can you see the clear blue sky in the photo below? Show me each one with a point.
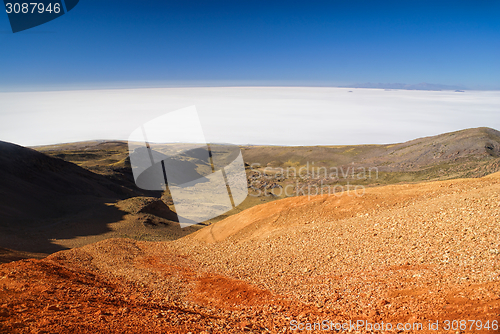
(259, 42)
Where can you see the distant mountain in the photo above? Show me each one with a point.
(419, 86)
(464, 145)
(465, 153)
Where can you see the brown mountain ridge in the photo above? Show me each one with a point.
(68, 195)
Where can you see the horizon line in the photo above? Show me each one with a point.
(60, 88)
(125, 141)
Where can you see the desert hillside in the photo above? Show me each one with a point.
(414, 154)
(409, 253)
(36, 186)
(277, 172)
(49, 204)
(465, 153)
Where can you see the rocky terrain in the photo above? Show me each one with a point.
(276, 172)
(454, 151)
(409, 253)
(49, 204)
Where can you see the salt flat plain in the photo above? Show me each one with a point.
(249, 115)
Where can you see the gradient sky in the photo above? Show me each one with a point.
(106, 44)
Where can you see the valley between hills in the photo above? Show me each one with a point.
(96, 254)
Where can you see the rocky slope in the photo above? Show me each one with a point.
(460, 146)
(43, 198)
(399, 254)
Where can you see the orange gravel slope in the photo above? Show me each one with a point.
(412, 253)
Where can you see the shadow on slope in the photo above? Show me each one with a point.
(44, 198)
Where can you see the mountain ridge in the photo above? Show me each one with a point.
(45, 197)
(419, 86)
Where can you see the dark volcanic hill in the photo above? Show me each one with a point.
(39, 193)
(48, 204)
(36, 186)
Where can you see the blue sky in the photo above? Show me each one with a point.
(105, 44)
